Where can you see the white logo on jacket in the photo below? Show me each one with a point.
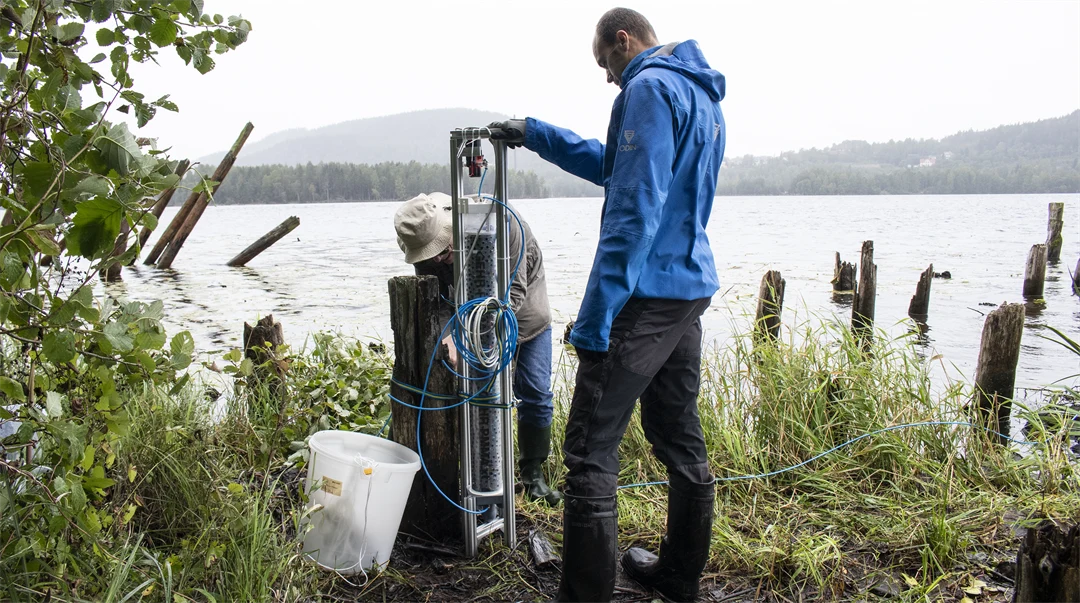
(628, 135)
(715, 131)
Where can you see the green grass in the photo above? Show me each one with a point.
(207, 508)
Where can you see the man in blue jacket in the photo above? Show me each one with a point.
(638, 333)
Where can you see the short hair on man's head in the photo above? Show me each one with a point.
(625, 19)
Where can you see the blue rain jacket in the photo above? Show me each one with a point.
(659, 168)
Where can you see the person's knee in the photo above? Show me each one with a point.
(591, 484)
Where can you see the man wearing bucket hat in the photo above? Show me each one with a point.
(424, 228)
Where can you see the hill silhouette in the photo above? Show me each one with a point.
(397, 156)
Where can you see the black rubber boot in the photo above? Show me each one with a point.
(590, 546)
(676, 573)
(534, 446)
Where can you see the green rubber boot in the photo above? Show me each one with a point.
(534, 446)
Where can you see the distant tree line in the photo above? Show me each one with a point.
(1038, 157)
(328, 182)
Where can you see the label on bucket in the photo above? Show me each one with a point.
(331, 486)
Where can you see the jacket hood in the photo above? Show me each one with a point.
(682, 57)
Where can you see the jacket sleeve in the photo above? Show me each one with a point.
(517, 248)
(582, 158)
(635, 197)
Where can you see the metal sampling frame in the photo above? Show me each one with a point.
(482, 270)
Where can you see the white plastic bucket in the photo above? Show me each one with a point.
(362, 483)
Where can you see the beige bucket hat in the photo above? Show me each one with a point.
(424, 226)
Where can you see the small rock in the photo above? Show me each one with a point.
(945, 274)
(1007, 568)
(885, 585)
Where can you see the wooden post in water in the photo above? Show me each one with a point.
(843, 276)
(995, 374)
(919, 308)
(862, 309)
(1035, 271)
(414, 319)
(184, 221)
(770, 305)
(162, 202)
(265, 241)
(260, 346)
(1048, 564)
(1053, 232)
(197, 210)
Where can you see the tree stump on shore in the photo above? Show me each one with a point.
(862, 308)
(843, 276)
(995, 374)
(919, 308)
(1048, 565)
(1053, 232)
(260, 346)
(1035, 271)
(770, 305)
(414, 319)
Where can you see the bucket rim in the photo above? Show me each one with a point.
(316, 446)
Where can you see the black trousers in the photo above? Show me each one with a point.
(654, 355)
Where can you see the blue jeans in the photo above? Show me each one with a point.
(532, 380)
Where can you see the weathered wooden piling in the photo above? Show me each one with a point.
(995, 373)
(770, 305)
(165, 250)
(1035, 271)
(862, 308)
(414, 319)
(919, 308)
(1048, 564)
(843, 276)
(265, 241)
(162, 202)
(1054, 226)
(260, 346)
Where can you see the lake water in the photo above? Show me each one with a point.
(331, 272)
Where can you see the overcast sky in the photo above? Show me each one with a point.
(800, 73)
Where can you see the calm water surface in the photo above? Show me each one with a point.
(331, 272)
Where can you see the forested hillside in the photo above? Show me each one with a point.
(400, 156)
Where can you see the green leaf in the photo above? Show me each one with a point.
(68, 99)
(12, 389)
(96, 226)
(149, 220)
(163, 33)
(94, 185)
(102, 10)
(99, 57)
(105, 37)
(166, 104)
(202, 62)
(37, 176)
(59, 346)
(54, 405)
(70, 31)
(118, 148)
(182, 347)
(97, 479)
(196, 8)
(43, 243)
(117, 334)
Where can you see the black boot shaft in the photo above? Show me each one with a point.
(590, 549)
